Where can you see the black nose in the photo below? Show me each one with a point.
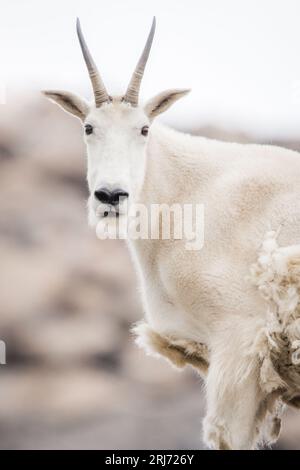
(106, 196)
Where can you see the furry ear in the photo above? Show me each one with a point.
(71, 103)
(163, 101)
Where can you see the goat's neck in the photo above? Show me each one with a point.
(179, 170)
(177, 165)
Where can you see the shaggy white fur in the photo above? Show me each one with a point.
(178, 352)
(277, 276)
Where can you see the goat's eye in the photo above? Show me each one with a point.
(88, 129)
(145, 130)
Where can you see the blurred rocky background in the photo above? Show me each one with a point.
(74, 378)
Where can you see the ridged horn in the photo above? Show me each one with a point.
(132, 93)
(100, 93)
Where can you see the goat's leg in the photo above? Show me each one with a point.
(233, 396)
(230, 422)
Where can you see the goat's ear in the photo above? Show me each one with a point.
(163, 101)
(71, 103)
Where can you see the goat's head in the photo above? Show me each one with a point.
(116, 133)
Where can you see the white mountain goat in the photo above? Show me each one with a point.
(231, 309)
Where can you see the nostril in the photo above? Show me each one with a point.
(103, 195)
(117, 195)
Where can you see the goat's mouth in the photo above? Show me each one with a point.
(106, 212)
(111, 214)
(111, 222)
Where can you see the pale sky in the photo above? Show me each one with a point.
(241, 58)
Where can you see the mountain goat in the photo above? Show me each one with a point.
(230, 309)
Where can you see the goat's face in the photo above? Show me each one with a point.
(116, 134)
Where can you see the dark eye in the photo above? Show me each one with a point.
(145, 130)
(88, 129)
